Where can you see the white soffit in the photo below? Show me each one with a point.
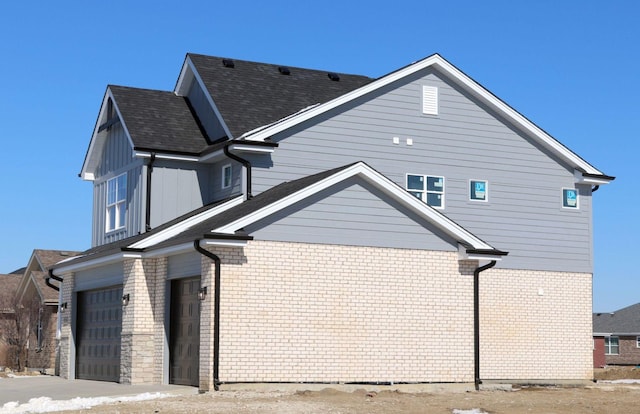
(457, 76)
(379, 181)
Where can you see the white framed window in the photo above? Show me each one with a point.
(611, 345)
(428, 188)
(570, 198)
(116, 202)
(478, 190)
(637, 341)
(226, 176)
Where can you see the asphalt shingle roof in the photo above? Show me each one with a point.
(625, 320)
(159, 120)
(252, 94)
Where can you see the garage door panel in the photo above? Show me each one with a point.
(99, 334)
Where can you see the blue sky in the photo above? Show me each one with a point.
(569, 66)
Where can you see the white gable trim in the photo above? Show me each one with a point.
(185, 224)
(189, 72)
(379, 181)
(438, 62)
(98, 138)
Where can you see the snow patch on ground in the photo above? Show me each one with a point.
(472, 411)
(621, 381)
(47, 405)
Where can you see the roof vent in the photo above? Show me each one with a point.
(228, 63)
(333, 76)
(284, 70)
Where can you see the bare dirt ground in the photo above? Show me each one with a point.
(601, 397)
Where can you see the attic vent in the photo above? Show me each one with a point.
(333, 76)
(429, 100)
(228, 63)
(284, 70)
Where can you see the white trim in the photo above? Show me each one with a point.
(185, 224)
(463, 255)
(486, 190)
(379, 181)
(161, 156)
(252, 149)
(425, 190)
(223, 242)
(222, 181)
(581, 179)
(577, 207)
(100, 261)
(437, 62)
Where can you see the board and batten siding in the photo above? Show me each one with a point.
(352, 213)
(524, 214)
(117, 158)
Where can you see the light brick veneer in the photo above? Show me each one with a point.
(65, 342)
(535, 325)
(296, 312)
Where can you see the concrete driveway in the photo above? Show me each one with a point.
(22, 389)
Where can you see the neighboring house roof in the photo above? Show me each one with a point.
(620, 322)
(158, 120)
(47, 293)
(9, 285)
(226, 220)
(252, 94)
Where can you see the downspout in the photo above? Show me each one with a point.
(594, 189)
(245, 163)
(54, 277)
(216, 312)
(476, 320)
(147, 217)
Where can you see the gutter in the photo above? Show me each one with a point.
(476, 321)
(216, 312)
(245, 163)
(147, 216)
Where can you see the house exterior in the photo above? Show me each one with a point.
(263, 223)
(616, 337)
(7, 294)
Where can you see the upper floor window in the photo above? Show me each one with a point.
(428, 188)
(226, 176)
(569, 198)
(116, 202)
(611, 345)
(478, 190)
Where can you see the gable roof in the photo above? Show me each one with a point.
(37, 270)
(252, 94)
(225, 221)
(591, 174)
(622, 321)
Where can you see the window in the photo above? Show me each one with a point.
(478, 190)
(116, 202)
(569, 198)
(637, 341)
(611, 346)
(427, 188)
(226, 176)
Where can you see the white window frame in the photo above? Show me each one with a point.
(486, 191)
(607, 345)
(117, 205)
(637, 341)
(424, 192)
(223, 182)
(577, 207)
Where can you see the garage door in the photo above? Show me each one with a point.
(98, 334)
(184, 348)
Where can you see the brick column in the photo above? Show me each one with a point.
(66, 339)
(159, 304)
(137, 356)
(207, 306)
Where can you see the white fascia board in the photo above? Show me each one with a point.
(100, 261)
(581, 179)
(463, 255)
(98, 138)
(160, 156)
(378, 180)
(188, 70)
(252, 148)
(185, 224)
(223, 242)
(459, 77)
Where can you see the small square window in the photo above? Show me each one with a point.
(569, 198)
(478, 190)
(637, 341)
(226, 176)
(427, 188)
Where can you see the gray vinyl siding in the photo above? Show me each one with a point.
(184, 265)
(352, 213)
(99, 277)
(464, 141)
(117, 158)
(216, 192)
(205, 113)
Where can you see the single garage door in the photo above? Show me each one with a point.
(99, 326)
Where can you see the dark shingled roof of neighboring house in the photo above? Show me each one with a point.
(252, 94)
(622, 321)
(159, 120)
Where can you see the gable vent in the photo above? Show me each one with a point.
(228, 63)
(333, 76)
(284, 70)
(429, 100)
